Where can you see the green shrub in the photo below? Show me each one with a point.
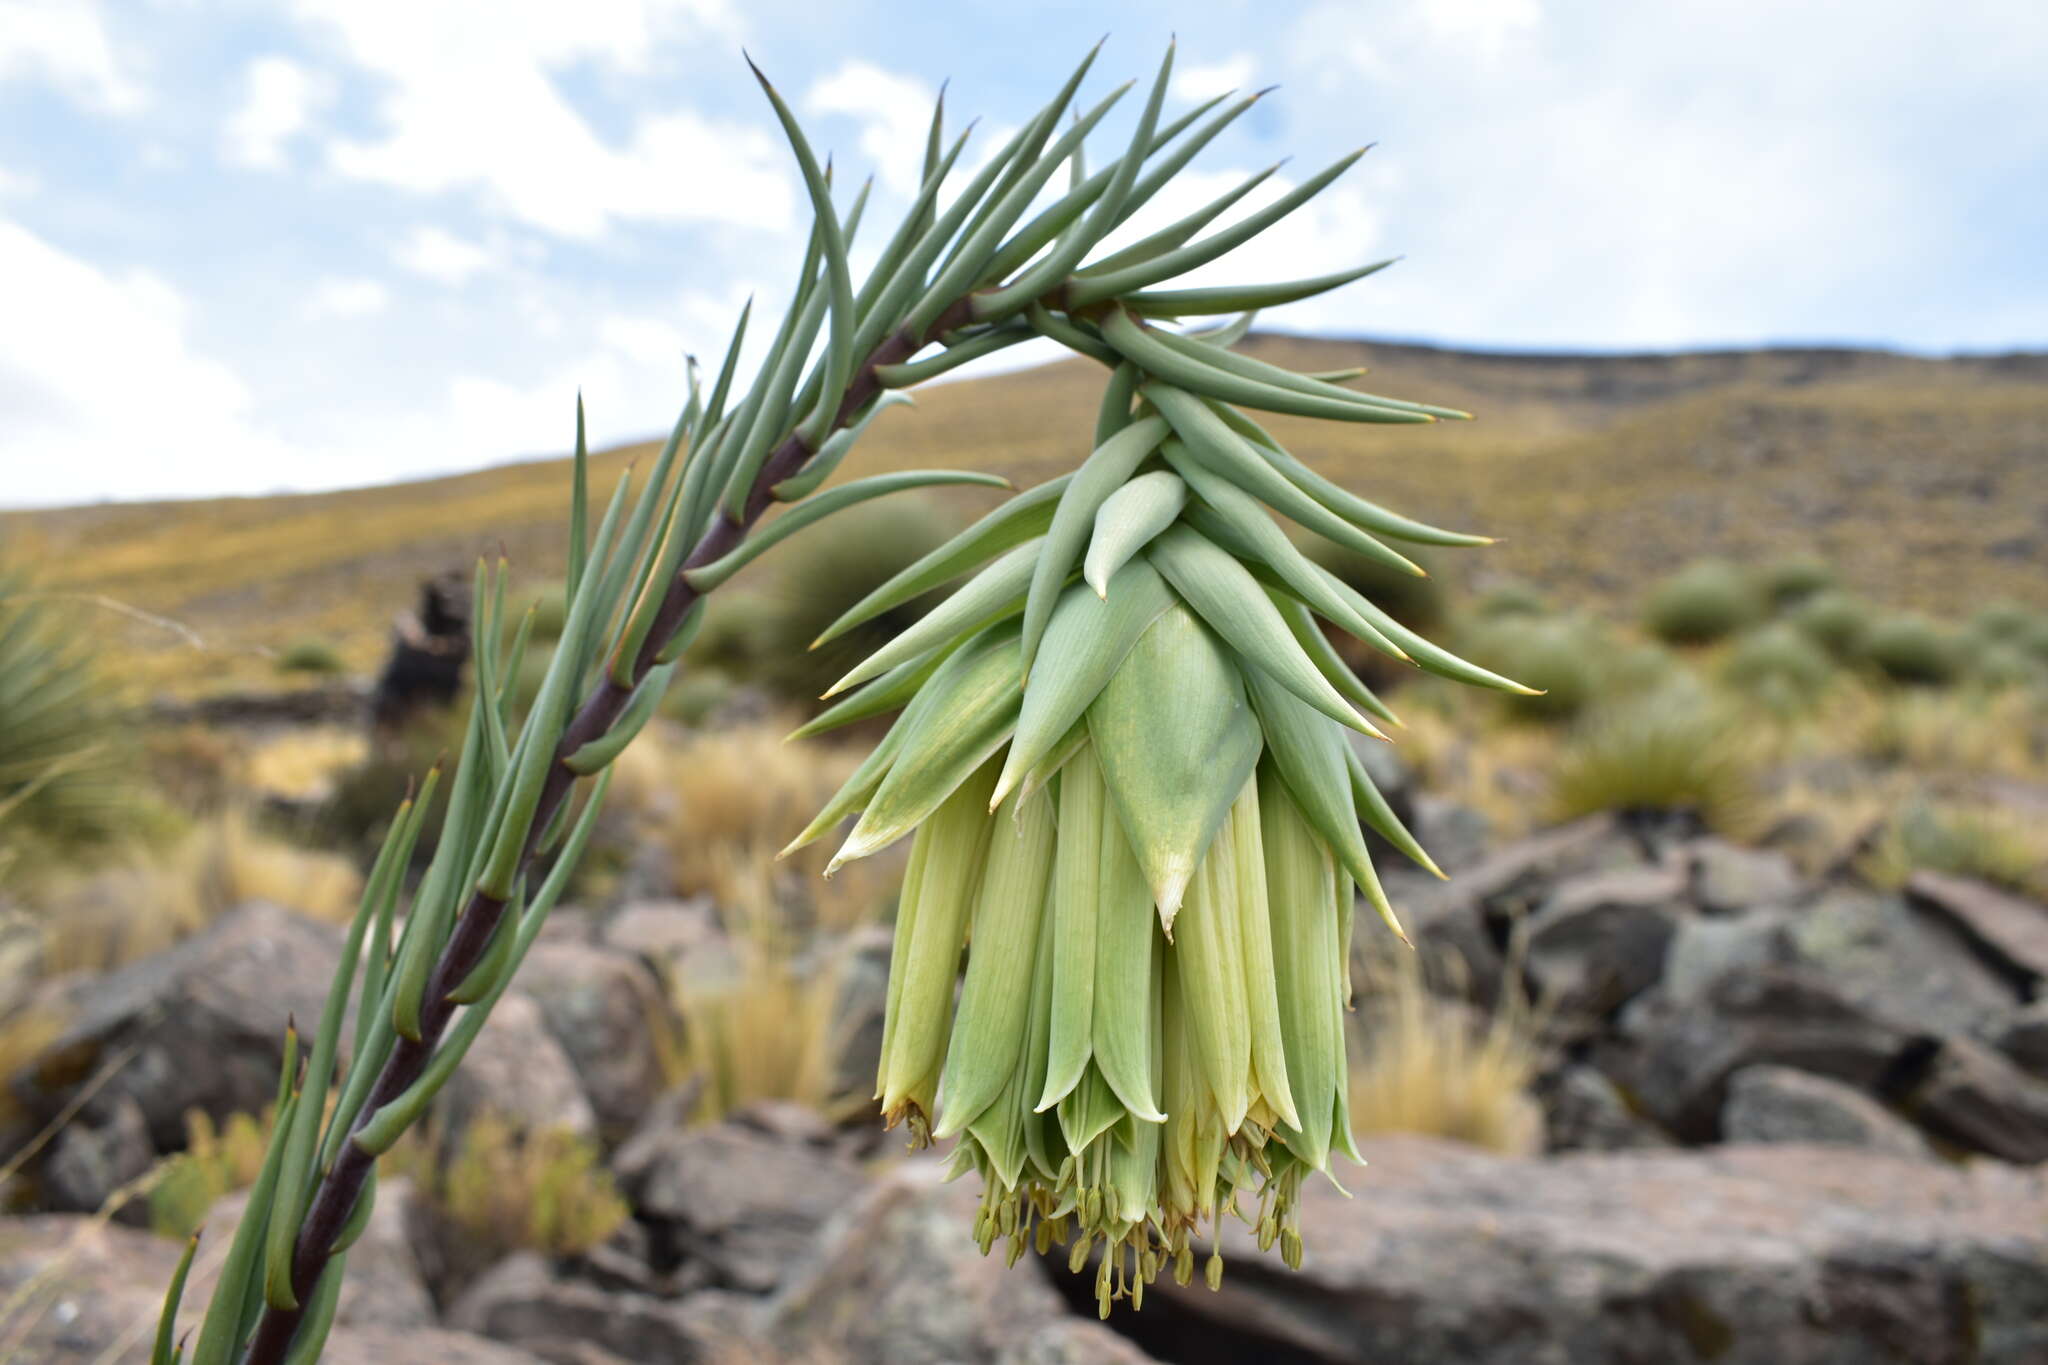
(1996, 666)
(820, 576)
(1780, 668)
(1703, 602)
(1837, 621)
(1660, 755)
(1562, 656)
(1987, 844)
(1786, 583)
(65, 752)
(309, 656)
(1510, 600)
(1913, 651)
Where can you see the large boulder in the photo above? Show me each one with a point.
(78, 1289)
(519, 1071)
(603, 1006)
(2011, 933)
(1738, 1255)
(524, 1301)
(1676, 1054)
(1598, 940)
(1973, 1096)
(740, 1201)
(201, 1026)
(1583, 1111)
(895, 1279)
(1881, 952)
(1728, 879)
(1779, 1104)
(2023, 1036)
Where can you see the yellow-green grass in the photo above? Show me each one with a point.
(1918, 479)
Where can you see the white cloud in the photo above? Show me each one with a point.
(106, 394)
(444, 257)
(347, 298)
(894, 113)
(65, 43)
(279, 100)
(17, 184)
(1202, 82)
(471, 103)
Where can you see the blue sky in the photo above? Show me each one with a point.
(313, 243)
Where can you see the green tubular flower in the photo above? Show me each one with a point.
(1134, 803)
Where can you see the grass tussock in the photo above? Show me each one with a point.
(510, 1190)
(1964, 839)
(218, 1159)
(1662, 756)
(1428, 1064)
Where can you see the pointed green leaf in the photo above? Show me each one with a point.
(1178, 303)
(994, 593)
(1258, 371)
(1125, 1020)
(1085, 642)
(1146, 347)
(1127, 519)
(1075, 912)
(1380, 818)
(820, 467)
(1176, 740)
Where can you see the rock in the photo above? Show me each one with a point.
(1513, 878)
(417, 1346)
(384, 1287)
(1391, 775)
(739, 1202)
(663, 930)
(1675, 1054)
(1073, 1342)
(1727, 879)
(1705, 950)
(88, 1163)
(1975, 1097)
(1456, 835)
(1584, 1112)
(523, 1301)
(200, 1026)
(1778, 1104)
(518, 1071)
(2010, 932)
(2023, 1036)
(896, 1278)
(1737, 1255)
(603, 1006)
(860, 969)
(1599, 939)
(1898, 965)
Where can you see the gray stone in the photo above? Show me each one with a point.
(896, 1278)
(1705, 950)
(198, 1027)
(517, 1070)
(1600, 939)
(2023, 1036)
(524, 1302)
(603, 1006)
(737, 1201)
(1456, 835)
(1779, 1104)
(663, 930)
(1072, 1342)
(1583, 1111)
(859, 968)
(79, 1289)
(2010, 931)
(1727, 879)
(1898, 965)
(1513, 879)
(89, 1162)
(1675, 1055)
(1738, 1255)
(1973, 1096)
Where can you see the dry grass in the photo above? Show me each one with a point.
(1429, 1064)
(302, 764)
(508, 1190)
(1964, 838)
(146, 896)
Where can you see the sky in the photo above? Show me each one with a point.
(259, 245)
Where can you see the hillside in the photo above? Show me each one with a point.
(1924, 480)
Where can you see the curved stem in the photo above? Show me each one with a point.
(334, 1199)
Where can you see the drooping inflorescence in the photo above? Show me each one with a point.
(1122, 753)
(1121, 747)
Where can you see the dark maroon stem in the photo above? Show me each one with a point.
(342, 1184)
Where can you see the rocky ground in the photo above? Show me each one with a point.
(1790, 1119)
